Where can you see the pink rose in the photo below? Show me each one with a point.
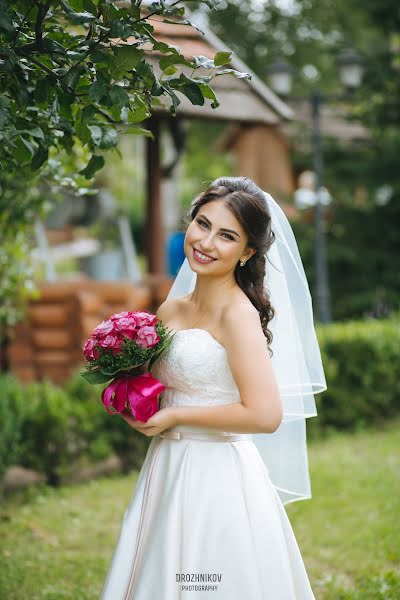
(113, 342)
(145, 318)
(125, 314)
(89, 350)
(126, 326)
(147, 336)
(103, 329)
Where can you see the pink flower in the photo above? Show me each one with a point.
(141, 392)
(147, 336)
(103, 329)
(111, 341)
(89, 350)
(126, 326)
(145, 318)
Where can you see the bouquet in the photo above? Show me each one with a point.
(118, 349)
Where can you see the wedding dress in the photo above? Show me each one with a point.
(204, 521)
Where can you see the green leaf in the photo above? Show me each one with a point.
(209, 93)
(119, 96)
(204, 61)
(193, 92)
(211, 3)
(237, 74)
(87, 113)
(43, 89)
(6, 23)
(97, 134)
(120, 29)
(83, 132)
(138, 131)
(184, 22)
(99, 56)
(37, 132)
(222, 58)
(4, 116)
(95, 164)
(103, 137)
(170, 70)
(95, 377)
(4, 102)
(50, 45)
(71, 78)
(110, 137)
(97, 91)
(139, 111)
(77, 17)
(174, 59)
(175, 100)
(31, 146)
(39, 158)
(124, 60)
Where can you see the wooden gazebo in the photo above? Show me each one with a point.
(250, 109)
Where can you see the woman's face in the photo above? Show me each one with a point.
(208, 234)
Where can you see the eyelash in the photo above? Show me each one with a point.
(199, 221)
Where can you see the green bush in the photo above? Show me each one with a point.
(50, 434)
(361, 360)
(105, 432)
(11, 403)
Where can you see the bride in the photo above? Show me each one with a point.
(228, 449)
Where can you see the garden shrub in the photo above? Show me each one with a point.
(361, 360)
(11, 398)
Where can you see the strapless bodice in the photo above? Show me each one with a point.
(195, 372)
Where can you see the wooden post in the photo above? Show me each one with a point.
(154, 226)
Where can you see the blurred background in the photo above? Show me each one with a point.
(318, 126)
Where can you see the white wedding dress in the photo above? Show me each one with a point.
(204, 521)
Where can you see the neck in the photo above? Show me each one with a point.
(211, 292)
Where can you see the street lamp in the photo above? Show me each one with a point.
(280, 78)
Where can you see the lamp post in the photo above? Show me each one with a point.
(280, 78)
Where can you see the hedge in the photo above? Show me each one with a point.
(361, 361)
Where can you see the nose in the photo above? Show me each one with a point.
(207, 243)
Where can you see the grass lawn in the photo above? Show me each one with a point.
(57, 544)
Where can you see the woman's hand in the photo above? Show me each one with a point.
(160, 421)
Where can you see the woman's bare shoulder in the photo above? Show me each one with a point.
(169, 308)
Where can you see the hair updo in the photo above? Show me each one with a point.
(248, 204)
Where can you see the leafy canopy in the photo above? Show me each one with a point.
(81, 70)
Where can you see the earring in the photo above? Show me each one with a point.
(242, 263)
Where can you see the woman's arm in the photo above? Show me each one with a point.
(260, 407)
(226, 417)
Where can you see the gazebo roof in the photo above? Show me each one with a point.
(241, 100)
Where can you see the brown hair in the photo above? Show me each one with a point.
(248, 204)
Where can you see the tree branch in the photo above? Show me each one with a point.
(42, 12)
(156, 12)
(21, 25)
(44, 67)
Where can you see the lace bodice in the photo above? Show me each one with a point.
(195, 371)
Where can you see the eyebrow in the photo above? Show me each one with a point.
(221, 228)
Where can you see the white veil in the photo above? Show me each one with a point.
(296, 358)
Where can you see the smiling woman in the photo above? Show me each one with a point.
(209, 499)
